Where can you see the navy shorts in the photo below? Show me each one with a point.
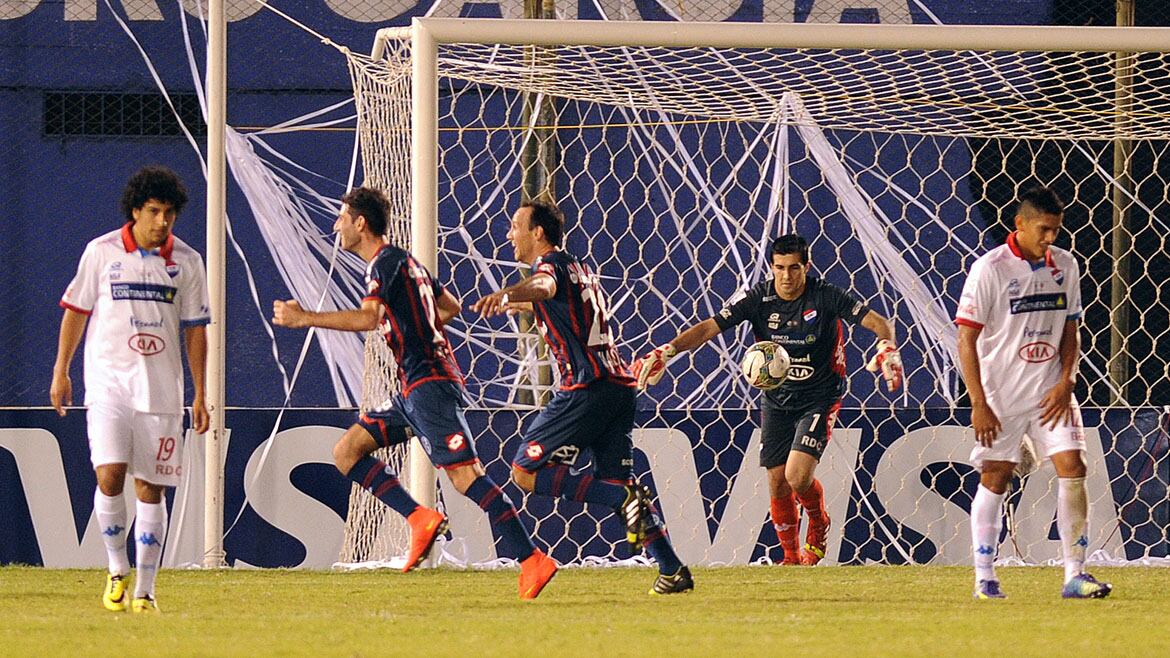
(598, 418)
(804, 429)
(434, 411)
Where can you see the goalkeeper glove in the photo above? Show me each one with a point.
(889, 362)
(649, 369)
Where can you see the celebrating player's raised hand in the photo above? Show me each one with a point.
(287, 313)
(649, 369)
(888, 361)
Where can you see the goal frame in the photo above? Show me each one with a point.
(426, 34)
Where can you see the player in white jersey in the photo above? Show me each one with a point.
(143, 287)
(1018, 348)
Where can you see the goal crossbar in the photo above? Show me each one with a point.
(793, 35)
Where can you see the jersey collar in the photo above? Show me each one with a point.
(130, 245)
(1014, 244)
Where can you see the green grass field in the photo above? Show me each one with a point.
(777, 611)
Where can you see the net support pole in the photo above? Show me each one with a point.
(213, 552)
(1122, 233)
(424, 203)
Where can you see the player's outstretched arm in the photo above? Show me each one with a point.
(61, 390)
(1057, 402)
(196, 339)
(290, 314)
(536, 288)
(983, 419)
(886, 359)
(650, 369)
(448, 306)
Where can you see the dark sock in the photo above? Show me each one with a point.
(375, 476)
(556, 480)
(502, 515)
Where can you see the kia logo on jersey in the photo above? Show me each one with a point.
(147, 344)
(1038, 352)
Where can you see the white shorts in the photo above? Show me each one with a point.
(1047, 441)
(151, 445)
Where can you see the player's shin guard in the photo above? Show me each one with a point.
(558, 481)
(150, 532)
(1072, 510)
(657, 543)
(375, 476)
(111, 517)
(502, 514)
(986, 524)
(786, 521)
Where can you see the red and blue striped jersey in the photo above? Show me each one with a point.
(575, 323)
(410, 321)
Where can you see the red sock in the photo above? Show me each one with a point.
(813, 501)
(786, 521)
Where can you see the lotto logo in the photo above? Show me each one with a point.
(534, 451)
(455, 442)
(146, 344)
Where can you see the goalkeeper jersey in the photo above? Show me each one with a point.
(575, 323)
(410, 323)
(808, 328)
(137, 300)
(1021, 308)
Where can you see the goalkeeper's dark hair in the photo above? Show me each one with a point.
(1040, 199)
(791, 244)
(371, 204)
(153, 182)
(549, 217)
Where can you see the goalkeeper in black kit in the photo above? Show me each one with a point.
(802, 314)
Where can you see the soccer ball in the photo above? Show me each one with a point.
(765, 365)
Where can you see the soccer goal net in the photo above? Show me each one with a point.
(679, 151)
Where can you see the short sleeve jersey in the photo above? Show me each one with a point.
(576, 324)
(808, 328)
(1021, 308)
(137, 300)
(410, 322)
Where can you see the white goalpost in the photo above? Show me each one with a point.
(680, 149)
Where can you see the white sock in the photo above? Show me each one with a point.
(150, 532)
(111, 518)
(1072, 511)
(986, 523)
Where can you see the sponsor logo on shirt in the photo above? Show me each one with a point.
(1035, 303)
(810, 315)
(774, 321)
(146, 292)
(799, 373)
(725, 313)
(534, 451)
(1057, 276)
(173, 270)
(1037, 333)
(1038, 352)
(147, 344)
(145, 324)
(455, 442)
(1013, 287)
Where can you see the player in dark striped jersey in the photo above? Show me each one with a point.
(803, 314)
(410, 309)
(594, 410)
